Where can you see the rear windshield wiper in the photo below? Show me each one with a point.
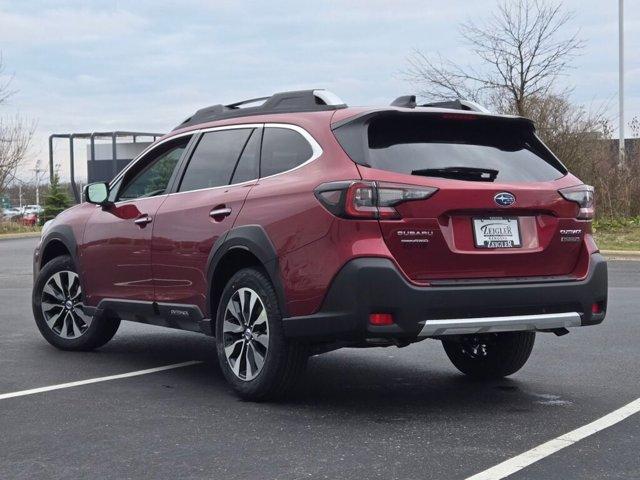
(459, 173)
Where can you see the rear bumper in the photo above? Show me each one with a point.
(368, 285)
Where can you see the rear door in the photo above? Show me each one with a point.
(497, 212)
(209, 195)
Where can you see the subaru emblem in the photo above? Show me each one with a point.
(504, 199)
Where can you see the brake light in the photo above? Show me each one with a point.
(369, 200)
(584, 196)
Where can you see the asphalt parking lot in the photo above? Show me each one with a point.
(365, 414)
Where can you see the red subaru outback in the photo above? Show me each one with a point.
(298, 226)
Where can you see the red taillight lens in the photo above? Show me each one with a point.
(584, 196)
(597, 308)
(360, 201)
(369, 200)
(381, 319)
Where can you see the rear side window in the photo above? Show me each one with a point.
(459, 147)
(282, 150)
(214, 159)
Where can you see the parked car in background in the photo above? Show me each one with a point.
(302, 226)
(37, 209)
(29, 219)
(11, 213)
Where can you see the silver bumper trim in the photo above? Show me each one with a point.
(463, 326)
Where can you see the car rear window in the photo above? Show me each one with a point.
(455, 146)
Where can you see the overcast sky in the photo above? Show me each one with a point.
(145, 65)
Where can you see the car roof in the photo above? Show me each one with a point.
(311, 106)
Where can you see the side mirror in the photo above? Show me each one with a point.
(97, 193)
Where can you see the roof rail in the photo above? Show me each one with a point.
(409, 101)
(283, 102)
(406, 101)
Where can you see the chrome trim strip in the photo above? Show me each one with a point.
(144, 152)
(220, 211)
(143, 220)
(315, 147)
(316, 150)
(464, 326)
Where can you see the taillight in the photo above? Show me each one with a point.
(583, 195)
(369, 200)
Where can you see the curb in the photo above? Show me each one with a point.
(621, 254)
(12, 236)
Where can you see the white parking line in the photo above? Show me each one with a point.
(525, 459)
(32, 391)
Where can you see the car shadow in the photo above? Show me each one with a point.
(358, 382)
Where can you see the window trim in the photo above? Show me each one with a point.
(315, 148)
(120, 177)
(144, 153)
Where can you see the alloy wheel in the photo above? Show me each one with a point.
(62, 305)
(478, 346)
(245, 334)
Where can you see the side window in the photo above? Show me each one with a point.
(154, 174)
(214, 159)
(248, 167)
(283, 149)
(113, 190)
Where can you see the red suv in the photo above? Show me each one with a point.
(300, 225)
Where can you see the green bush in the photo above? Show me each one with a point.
(615, 223)
(56, 201)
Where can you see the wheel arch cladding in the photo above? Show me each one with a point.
(60, 240)
(242, 247)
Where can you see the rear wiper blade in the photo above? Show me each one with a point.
(459, 173)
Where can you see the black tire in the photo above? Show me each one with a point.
(284, 360)
(96, 332)
(491, 355)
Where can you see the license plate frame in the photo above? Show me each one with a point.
(496, 232)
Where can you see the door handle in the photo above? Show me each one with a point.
(220, 212)
(142, 221)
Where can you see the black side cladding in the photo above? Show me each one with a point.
(367, 284)
(253, 239)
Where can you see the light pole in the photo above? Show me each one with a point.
(38, 171)
(621, 150)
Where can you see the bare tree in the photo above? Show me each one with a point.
(521, 49)
(5, 83)
(15, 137)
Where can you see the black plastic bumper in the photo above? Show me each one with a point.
(368, 285)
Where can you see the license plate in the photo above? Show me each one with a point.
(496, 232)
